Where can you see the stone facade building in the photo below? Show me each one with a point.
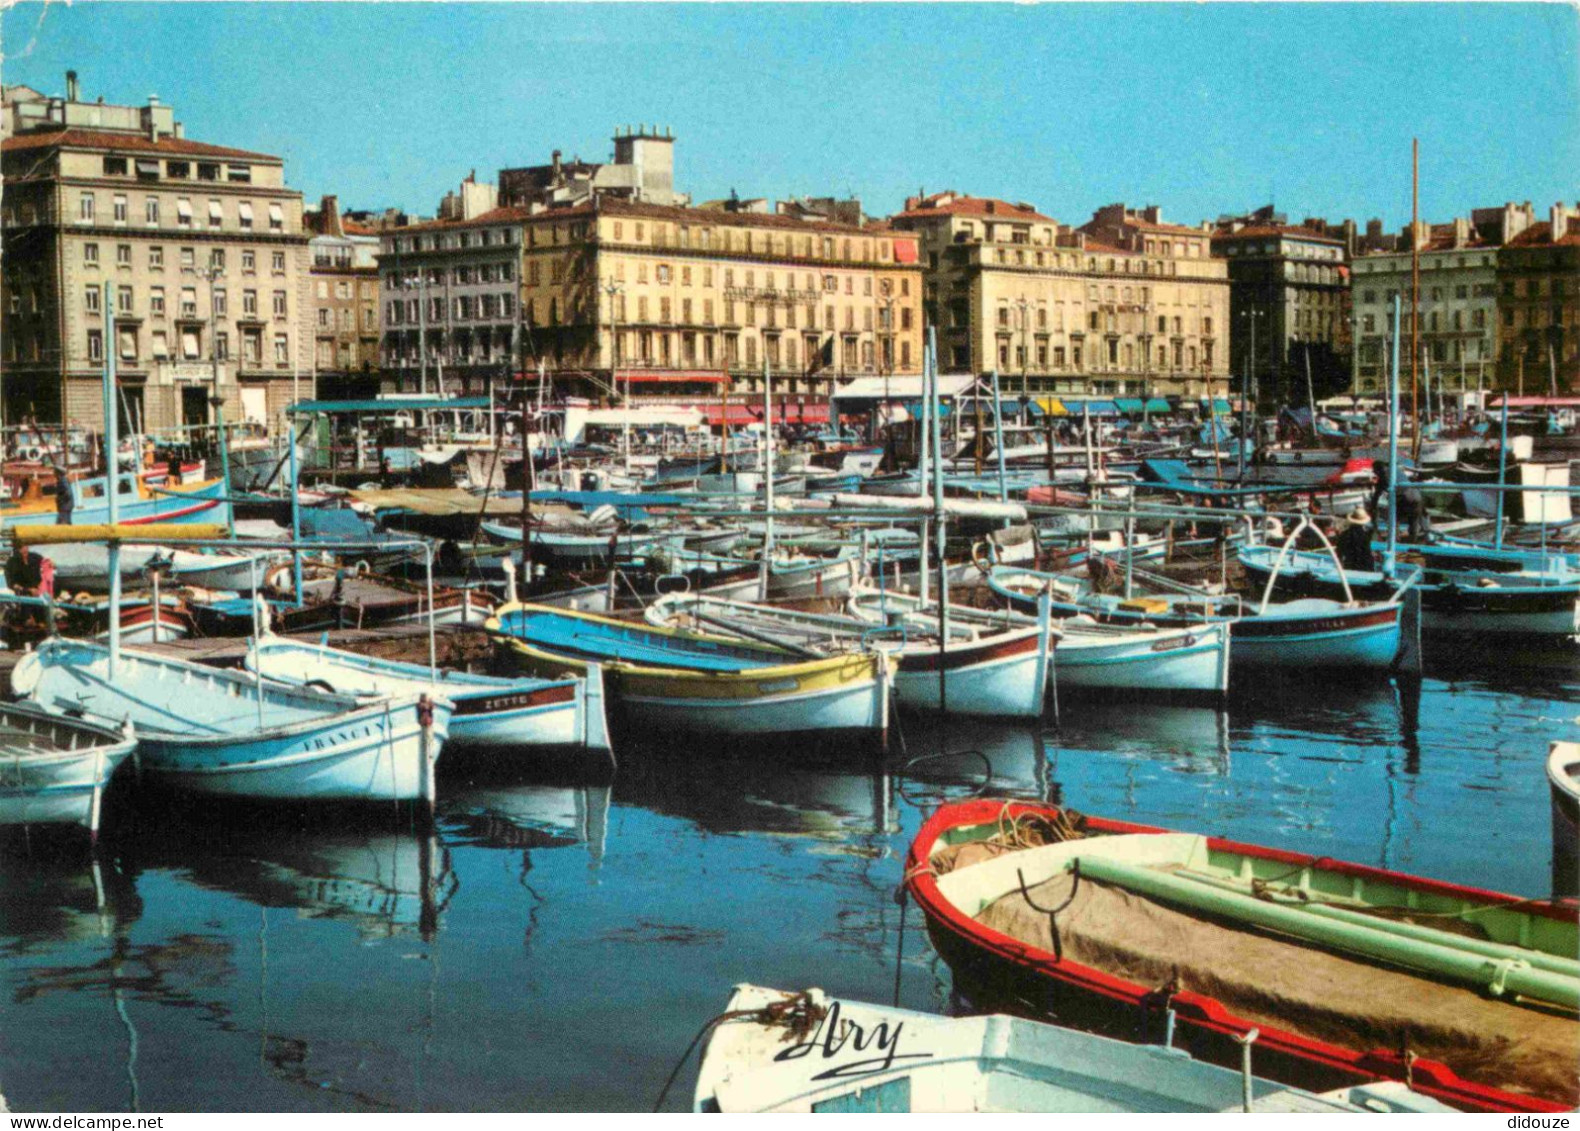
(346, 331)
(1124, 305)
(1292, 281)
(1538, 277)
(643, 169)
(671, 300)
(1459, 300)
(202, 246)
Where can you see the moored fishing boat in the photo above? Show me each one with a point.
(696, 683)
(1339, 966)
(227, 734)
(54, 770)
(489, 710)
(1001, 672)
(1309, 632)
(1470, 602)
(86, 565)
(808, 1052)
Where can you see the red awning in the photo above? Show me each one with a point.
(667, 377)
(784, 412)
(904, 251)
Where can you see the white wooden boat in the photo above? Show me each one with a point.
(807, 1052)
(1093, 657)
(489, 711)
(229, 734)
(85, 565)
(989, 671)
(1563, 781)
(54, 770)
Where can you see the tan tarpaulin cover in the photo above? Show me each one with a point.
(1282, 983)
(451, 500)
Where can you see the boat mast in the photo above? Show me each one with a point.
(935, 421)
(768, 479)
(998, 439)
(1393, 445)
(112, 467)
(1415, 295)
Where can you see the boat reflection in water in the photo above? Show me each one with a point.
(1190, 739)
(528, 815)
(382, 881)
(48, 898)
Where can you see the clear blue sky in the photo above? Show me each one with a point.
(1198, 108)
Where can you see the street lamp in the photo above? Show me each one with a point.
(1025, 324)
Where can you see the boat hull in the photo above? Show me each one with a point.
(55, 786)
(1563, 781)
(996, 971)
(1182, 662)
(1342, 639)
(311, 746)
(1006, 680)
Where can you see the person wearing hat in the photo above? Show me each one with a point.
(1354, 544)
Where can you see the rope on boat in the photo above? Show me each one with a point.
(796, 1012)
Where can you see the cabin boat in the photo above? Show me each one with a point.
(136, 505)
(226, 734)
(1118, 927)
(54, 770)
(808, 1052)
(696, 683)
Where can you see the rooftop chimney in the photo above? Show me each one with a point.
(71, 86)
(329, 216)
(1560, 221)
(556, 159)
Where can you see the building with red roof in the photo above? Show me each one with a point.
(197, 251)
(1100, 310)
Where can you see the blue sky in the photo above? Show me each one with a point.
(1198, 108)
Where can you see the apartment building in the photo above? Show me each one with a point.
(673, 301)
(200, 245)
(1538, 279)
(1456, 329)
(1123, 305)
(1290, 284)
(346, 328)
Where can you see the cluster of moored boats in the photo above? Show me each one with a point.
(687, 586)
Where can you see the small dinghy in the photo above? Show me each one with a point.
(807, 1052)
(489, 711)
(228, 734)
(54, 770)
(1350, 974)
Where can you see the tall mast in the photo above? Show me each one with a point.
(1415, 296)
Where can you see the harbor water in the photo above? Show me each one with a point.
(557, 942)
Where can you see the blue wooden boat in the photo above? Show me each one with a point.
(489, 711)
(54, 770)
(1309, 632)
(697, 683)
(137, 505)
(228, 734)
(1469, 602)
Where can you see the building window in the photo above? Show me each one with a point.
(222, 346)
(161, 347)
(282, 349)
(127, 339)
(156, 302)
(249, 304)
(244, 215)
(276, 218)
(279, 304)
(188, 258)
(277, 263)
(249, 260)
(85, 208)
(183, 212)
(95, 345)
(123, 254)
(90, 254)
(221, 303)
(216, 258)
(123, 300)
(188, 302)
(90, 300)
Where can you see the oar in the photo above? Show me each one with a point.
(760, 637)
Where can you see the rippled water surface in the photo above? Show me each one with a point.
(556, 943)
